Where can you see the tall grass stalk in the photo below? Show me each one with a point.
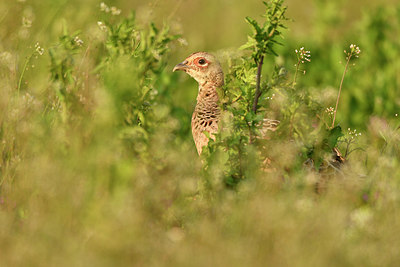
(303, 56)
(28, 59)
(340, 90)
(354, 51)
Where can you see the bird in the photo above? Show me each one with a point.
(208, 73)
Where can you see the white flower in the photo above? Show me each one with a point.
(330, 110)
(78, 41)
(182, 41)
(27, 23)
(39, 49)
(354, 49)
(115, 11)
(102, 26)
(104, 7)
(303, 55)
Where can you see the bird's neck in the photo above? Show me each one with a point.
(207, 99)
(208, 92)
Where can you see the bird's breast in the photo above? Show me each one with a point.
(205, 117)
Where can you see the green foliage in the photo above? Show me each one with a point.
(244, 94)
(242, 90)
(97, 161)
(140, 54)
(375, 75)
(64, 76)
(265, 37)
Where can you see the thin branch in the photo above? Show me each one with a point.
(258, 91)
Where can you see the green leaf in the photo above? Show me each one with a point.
(251, 42)
(333, 136)
(253, 23)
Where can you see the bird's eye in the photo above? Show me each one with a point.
(202, 61)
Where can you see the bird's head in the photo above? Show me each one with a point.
(203, 67)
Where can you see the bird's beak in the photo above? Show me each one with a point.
(181, 66)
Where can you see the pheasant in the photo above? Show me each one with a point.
(207, 71)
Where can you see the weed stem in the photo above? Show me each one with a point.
(295, 74)
(340, 90)
(22, 74)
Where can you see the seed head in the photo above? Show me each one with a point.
(39, 49)
(303, 55)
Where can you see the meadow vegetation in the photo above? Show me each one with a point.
(97, 162)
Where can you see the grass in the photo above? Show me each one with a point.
(98, 165)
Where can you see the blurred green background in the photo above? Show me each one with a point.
(324, 27)
(83, 185)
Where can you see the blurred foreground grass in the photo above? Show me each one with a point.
(98, 166)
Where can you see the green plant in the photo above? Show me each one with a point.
(141, 55)
(250, 100)
(37, 52)
(353, 53)
(242, 95)
(66, 79)
(302, 57)
(98, 165)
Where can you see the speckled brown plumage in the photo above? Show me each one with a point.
(205, 116)
(206, 70)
